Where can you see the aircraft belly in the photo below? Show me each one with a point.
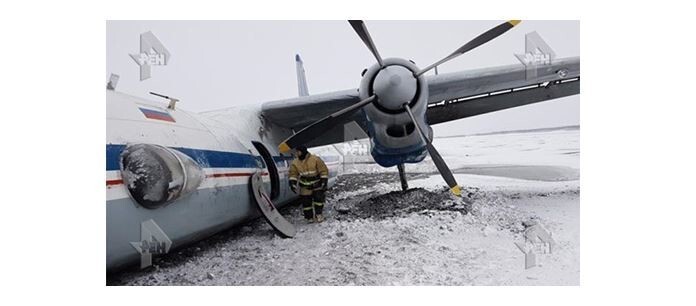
(198, 215)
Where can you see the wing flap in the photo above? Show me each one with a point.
(474, 82)
(486, 103)
(464, 94)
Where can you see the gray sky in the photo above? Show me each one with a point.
(218, 64)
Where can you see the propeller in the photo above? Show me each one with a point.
(437, 158)
(317, 128)
(479, 40)
(361, 30)
(394, 84)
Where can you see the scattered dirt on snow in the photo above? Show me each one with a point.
(399, 203)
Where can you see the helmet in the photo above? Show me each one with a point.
(302, 150)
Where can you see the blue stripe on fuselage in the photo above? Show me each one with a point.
(205, 158)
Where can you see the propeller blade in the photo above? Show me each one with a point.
(361, 30)
(479, 40)
(315, 129)
(437, 159)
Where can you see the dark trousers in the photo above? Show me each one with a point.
(313, 204)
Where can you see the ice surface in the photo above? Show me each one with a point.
(375, 236)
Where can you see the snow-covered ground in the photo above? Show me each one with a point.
(376, 235)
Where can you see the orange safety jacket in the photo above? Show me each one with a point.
(308, 172)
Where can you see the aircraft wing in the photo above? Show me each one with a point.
(452, 96)
(469, 93)
(299, 112)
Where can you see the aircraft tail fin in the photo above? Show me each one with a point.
(301, 77)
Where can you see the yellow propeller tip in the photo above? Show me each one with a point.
(456, 190)
(283, 147)
(514, 22)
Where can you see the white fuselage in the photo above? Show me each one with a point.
(219, 141)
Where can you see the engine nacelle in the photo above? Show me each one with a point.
(157, 175)
(395, 139)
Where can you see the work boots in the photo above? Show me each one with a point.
(320, 218)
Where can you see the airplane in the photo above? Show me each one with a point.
(179, 176)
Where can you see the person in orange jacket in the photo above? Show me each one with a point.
(311, 174)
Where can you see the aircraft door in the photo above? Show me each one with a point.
(271, 167)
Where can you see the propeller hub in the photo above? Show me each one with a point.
(395, 85)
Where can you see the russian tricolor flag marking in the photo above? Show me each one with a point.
(157, 115)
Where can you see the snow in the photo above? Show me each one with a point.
(552, 148)
(432, 243)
